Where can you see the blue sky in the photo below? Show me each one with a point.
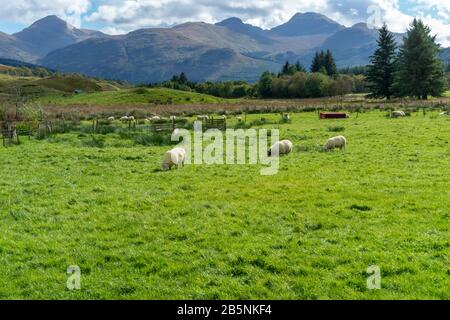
(121, 16)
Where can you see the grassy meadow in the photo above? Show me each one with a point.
(225, 231)
(136, 96)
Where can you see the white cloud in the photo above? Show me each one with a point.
(28, 11)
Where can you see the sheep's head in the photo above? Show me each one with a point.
(165, 166)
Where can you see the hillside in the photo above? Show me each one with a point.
(29, 87)
(151, 55)
(135, 96)
(12, 48)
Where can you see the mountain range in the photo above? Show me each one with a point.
(228, 50)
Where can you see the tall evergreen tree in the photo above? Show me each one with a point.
(286, 68)
(318, 62)
(380, 73)
(420, 72)
(330, 64)
(183, 78)
(299, 67)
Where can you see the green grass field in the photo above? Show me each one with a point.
(226, 232)
(136, 96)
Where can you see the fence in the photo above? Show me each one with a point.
(12, 130)
(212, 123)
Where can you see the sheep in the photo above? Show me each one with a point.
(286, 117)
(155, 118)
(223, 117)
(173, 118)
(398, 114)
(284, 148)
(175, 157)
(111, 119)
(124, 118)
(445, 113)
(239, 119)
(130, 118)
(203, 117)
(147, 120)
(336, 142)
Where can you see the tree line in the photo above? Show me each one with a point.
(293, 81)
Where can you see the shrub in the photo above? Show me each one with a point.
(155, 139)
(336, 129)
(94, 142)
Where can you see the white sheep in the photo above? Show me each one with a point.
(339, 142)
(398, 114)
(111, 119)
(130, 118)
(124, 118)
(286, 117)
(175, 157)
(239, 119)
(201, 118)
(173, 118)
(155, 118)
(223, 117)
(284, 148)
(445, 113)
(147, 120)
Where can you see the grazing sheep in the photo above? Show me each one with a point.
(203, 117)
(223, 117)
(155, 118)
(445, 113)
(334, 143)
(398, 114)
(124, 118)
(175, 157)
(111, 119)
(284, 147)
(286, 117)
(173, 118)
(147, 120)
(239, 119)
(131, 118)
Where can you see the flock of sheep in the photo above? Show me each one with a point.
(148, 120)
(177, 156)
(285, 117)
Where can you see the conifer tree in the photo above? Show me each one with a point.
(380, 73)
(420, 72)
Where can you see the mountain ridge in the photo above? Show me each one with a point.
(229, 49)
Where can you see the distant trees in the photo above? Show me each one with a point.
(324, 62)
(308, 85)
(420, 72)
(181, 79)
(380, 73)
(357, 70)
(265, 85)
(291, 69)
